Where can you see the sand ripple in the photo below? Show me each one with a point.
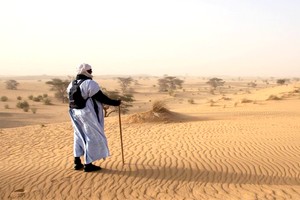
(230, 158)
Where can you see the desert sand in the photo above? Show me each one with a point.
(234, 144)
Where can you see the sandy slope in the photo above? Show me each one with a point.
(238, 154)
(224, 151)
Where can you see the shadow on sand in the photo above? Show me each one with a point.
(201, 176)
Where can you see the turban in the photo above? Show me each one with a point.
(83, 68)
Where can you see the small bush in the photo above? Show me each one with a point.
(226, 98)
(252, 84)
(297, 91)
(159, 107)
(6, 106)
(19, 98)
(172, 93)
(40, 97)
(191, 101)
(47, 101)
(25, 109)
(246, 101)
(274, 97)
(33, 110)
(23, 105)
(30, 97)
(211, 102)
(45, 95)
(4, 98)
(36, 99)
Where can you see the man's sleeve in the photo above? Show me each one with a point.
(99, 96)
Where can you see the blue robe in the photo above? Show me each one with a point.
(89, 137)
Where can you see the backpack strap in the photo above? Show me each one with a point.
(79, 81)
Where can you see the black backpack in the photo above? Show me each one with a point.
(75, 98)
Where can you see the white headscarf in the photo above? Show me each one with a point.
(82, 69)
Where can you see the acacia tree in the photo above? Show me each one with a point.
(252, 84)
(60, 88)
(169, 83)
(11, 84)
(215, 82)
(127, 100)
(282, 81)
(125, 84)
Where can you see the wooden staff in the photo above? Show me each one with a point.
(120, 124)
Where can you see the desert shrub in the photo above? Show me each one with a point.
(11, 84)
(172, 93)
(282, 81)
(47, 101)
(273, 97)
(252, 84)
(6, 106)
(159, 106)
(211, 102)
(30, 97)
(19, 98)
(246, 101)
(296, 91)
(191, 101)
(45, 95)
(226, 98)
(23, 104)
(25, 109)
(4, 98)
(38, 98)
(33, 110)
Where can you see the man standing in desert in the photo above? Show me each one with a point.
(88, 123)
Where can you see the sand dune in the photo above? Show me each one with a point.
(256, 157)
(251, 151)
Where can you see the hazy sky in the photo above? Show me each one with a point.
(175, 37)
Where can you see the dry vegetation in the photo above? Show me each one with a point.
(34, 96)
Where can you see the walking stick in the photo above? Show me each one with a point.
(121, 134)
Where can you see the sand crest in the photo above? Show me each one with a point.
(248, 151)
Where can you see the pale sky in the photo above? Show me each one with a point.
(174, 37)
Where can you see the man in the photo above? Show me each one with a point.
(88, 123)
